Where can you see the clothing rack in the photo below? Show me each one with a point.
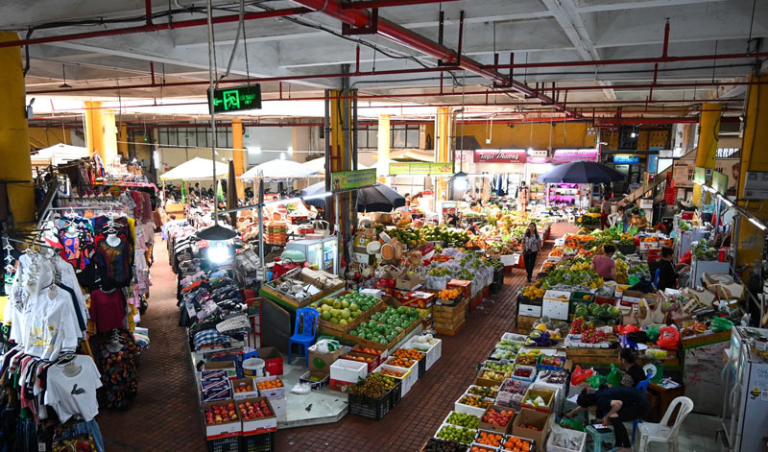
(30, 243)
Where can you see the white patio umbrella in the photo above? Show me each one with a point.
(277, 170)
(196, 169)
(319, 165)
(58, 154)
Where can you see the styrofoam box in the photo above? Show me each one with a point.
(433, 351)
(349, 371)
(445, 421)
(407, 381)
(529, 310)
(274, 393)
(513, 337)
(579, 437)
(475, 411)
(444, 425)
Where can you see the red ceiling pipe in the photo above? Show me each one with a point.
(390, 3)
(649, 121)
(148, 9)
(665, 85)
(650, 60)
(155, 27)
(401, 35)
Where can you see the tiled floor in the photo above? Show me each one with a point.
(165, 415)
(697, 434)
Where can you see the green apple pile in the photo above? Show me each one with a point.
(463, 420)
(375, 332)
(458, 434)
(401, 317)
(345, 308)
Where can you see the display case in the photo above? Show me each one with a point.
(321, 253)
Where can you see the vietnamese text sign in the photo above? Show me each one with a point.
(350, 180)
(626, 159)
(420, 168)
(500, 156)
(720, 182)
(683, 173)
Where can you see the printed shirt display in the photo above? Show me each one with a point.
(75, 395)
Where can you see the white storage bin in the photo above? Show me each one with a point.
(349, 371)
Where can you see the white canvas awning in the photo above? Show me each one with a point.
(318, 165)
(277, 170)
(58, 154)
(196, 169)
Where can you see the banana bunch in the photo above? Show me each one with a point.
(580, 267)
(622, 276)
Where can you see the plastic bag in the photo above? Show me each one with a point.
(573, 424)
(579, 375)
(614, 376)
(595, 381)
(721, 324)
(633, 279)
(633, 230)
(669, 339)
(301, 388)
(653, 333)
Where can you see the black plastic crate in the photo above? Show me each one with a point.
(396, 394)
(264, 442)
(369, 408)
(422, 366)
(231, 444)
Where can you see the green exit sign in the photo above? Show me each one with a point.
(237, 99)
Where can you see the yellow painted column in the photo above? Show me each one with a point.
(706, 153)
(384, 147)
(14, 134)
(443, 147)
(240, 155)
(100, 137)
(754, 157)
(122, 140)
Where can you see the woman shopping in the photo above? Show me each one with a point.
(531, 247)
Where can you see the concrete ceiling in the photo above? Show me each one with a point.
(535, 31)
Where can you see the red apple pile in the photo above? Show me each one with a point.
(254, 410)
(220, 414)
(499, 418)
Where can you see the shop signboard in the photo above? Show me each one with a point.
(420, 168)
(500, 156)
(683, 173)
(626, 159)
(573, 155)
(720, 182)
(700, 175)
(351, 180)
(731, 168)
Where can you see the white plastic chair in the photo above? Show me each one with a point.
(662, 433)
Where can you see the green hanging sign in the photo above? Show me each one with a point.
(237, 99)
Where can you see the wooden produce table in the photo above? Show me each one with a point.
(661, 398)
(605, 356)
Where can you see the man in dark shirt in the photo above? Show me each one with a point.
(634, 374)
(668, 272)
(615, 406)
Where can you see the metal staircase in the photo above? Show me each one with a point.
(643, 190)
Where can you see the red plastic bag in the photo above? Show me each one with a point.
(669, 338)
(579, 375)
(628, 329)
(685, 258)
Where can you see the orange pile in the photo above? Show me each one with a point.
(245, 388)
(489, 439)
(401, 362)
(409, 353)
(556, 253)
(270, 384)
(371, 351)
(515, 444)
(392, 373)
(448, 294)
(475, 401)
(364, 359)
(479, 449)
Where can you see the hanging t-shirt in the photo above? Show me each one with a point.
(52, 325)
(108, 310)
(74, 395)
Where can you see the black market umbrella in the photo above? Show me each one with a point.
(232, 192)
(378, 198)
(581, 172)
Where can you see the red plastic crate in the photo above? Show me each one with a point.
(338, 385)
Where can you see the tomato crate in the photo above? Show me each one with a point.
(371, 360)
(369, 408)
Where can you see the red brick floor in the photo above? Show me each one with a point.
(165, 415)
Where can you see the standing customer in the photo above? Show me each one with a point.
(531, 247)
(605, 210)
(522, 197)
(604, 265)
(615, 406)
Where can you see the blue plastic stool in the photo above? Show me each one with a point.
(598, 437)
(642, 386)
(656, 278)
(305, 332)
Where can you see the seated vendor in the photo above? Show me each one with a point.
(633, 374)
(604, 265)
(668, 271)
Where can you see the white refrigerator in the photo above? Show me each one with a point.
(745, 379)
(323, 253)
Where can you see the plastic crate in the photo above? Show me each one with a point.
(264, 442)
(231, 444)
(396, 395)
(369, 408)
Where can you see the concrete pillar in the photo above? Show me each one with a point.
(443, 148)
(122, 141)
(239, 155)
(14, 134)
(706, 152)
(384, 147)
(100, 137)
(754, 157)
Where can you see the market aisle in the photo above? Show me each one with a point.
(165, 414)
(417, 417)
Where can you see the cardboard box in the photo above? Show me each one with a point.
(226, 429)
(495, 428)
(212, 391)
(273, 360)
(319, 382)
(531, 417)
(464, 286)
(259, 425)
(382, 218)
(227, 366)
(631, 296)
(548, 395)
(406, 282)
(243, 383)
(321, 362)
(273, 393)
